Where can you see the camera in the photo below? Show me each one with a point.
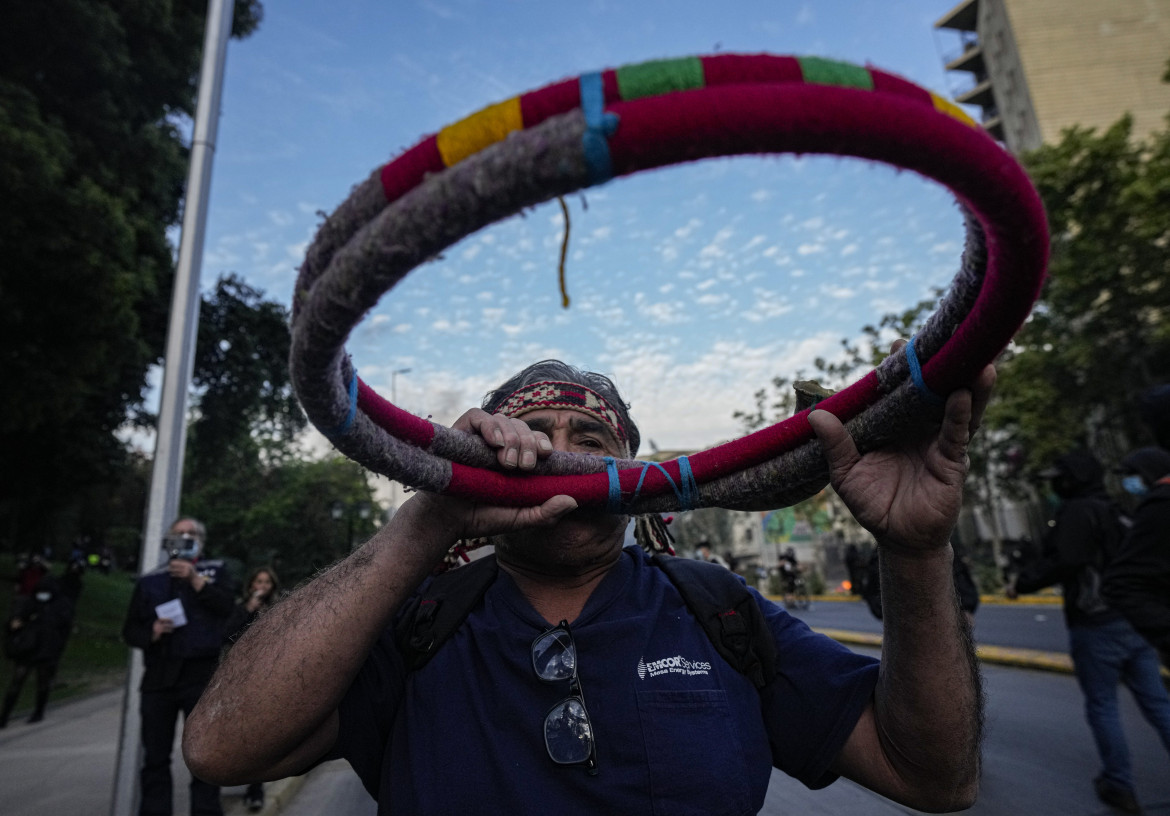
(183, 546)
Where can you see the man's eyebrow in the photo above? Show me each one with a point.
(542, 424)
(580, 424)
(583, 424)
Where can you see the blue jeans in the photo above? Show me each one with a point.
(1102, 656)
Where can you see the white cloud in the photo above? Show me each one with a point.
(839, 292)
(688, 228)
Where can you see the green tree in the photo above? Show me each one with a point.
(93, 94)
(283, 515)
(245, 421)
(1100, 331)
(246, 412)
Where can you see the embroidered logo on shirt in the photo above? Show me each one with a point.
(672, 665)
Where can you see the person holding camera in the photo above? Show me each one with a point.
(177, 617)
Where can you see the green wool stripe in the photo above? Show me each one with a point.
(659, 77)
(820, 71)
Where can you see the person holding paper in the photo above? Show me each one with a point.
(177, 616)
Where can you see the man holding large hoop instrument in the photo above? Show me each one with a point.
(319, 676)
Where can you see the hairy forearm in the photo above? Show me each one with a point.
(270, 708)
(928, 705)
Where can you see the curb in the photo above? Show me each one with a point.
(1001, 655)
(1023, 600)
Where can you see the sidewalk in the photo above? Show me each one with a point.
(65, 764)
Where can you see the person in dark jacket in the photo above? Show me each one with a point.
(260, 592)
(1105, 649)
(1137, 581)
(35, 637)
(181, 643)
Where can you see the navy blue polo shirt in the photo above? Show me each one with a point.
(678, 731)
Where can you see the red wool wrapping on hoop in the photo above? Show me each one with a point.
(403, 424)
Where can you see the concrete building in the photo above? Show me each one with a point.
(1037, 67)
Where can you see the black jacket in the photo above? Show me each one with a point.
(1137, 582)
(50, 620)
(187, 656)
(1086, 533)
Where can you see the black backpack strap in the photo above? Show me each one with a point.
(728, 613)
(432, 616)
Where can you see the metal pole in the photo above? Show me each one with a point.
(167, 472)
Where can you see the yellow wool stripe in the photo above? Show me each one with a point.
(951, 109)
(486, 127)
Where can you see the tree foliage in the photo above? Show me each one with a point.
(92, 164)
(1100, 332)
(245, 408)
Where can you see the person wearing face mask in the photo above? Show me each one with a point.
(176, 617)
(1137, 582)
(1082, 542)
(34, 639)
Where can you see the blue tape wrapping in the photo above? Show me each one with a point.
(916, 375)
(687, 493)
(614, 503)
(343, 428)
(599, 126)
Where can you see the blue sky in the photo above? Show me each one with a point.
(692, 286)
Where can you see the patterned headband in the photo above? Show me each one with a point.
(547, 394)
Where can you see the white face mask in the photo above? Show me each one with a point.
(44, 597)
(1134, 485)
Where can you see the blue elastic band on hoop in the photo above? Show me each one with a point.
(344, 427)
(688, 495)
(916, 375)
(599, 126)
(690, 488)
(614, 503)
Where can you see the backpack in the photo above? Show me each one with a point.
(1109, 528)
(720, 602)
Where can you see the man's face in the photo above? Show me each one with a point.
(187, 531)
(574, 432)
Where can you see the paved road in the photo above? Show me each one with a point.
(1017, 625)
(1038, 760)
